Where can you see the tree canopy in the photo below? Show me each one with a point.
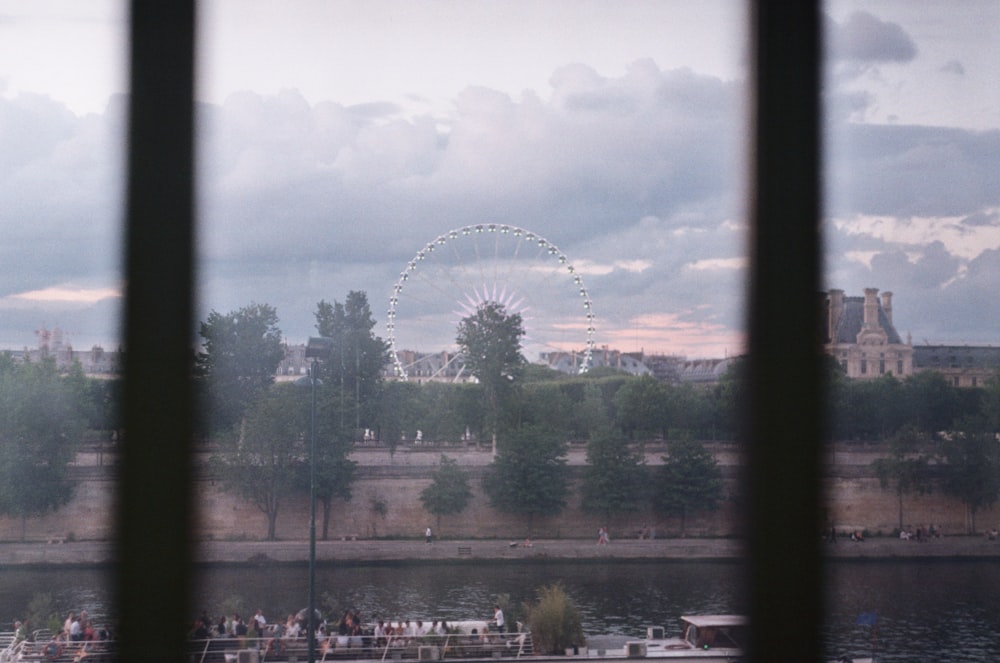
(528, 475)
(971, 469)
(241, 351)
(262, 458)
(353, 372)
(689, 481)
(615, 479)
(449, 491)
(490, 342)
(41, 424)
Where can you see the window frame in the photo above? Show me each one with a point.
(155, 561)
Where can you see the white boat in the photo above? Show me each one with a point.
(703, 638)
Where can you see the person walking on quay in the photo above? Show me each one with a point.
(428, 535)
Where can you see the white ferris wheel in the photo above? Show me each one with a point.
(451, 276)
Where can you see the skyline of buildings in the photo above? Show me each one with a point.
(858, 331)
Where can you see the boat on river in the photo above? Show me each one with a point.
(705, 639)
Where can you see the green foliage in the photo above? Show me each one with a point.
(689, 481)
(615, 479)
(641, 405)
(929, 401)
(41, 425)
(729, 398)
(240, 354)
(991, 403)
(399, 411)
(262, 460)
(449, 492)
(43, 612)
(904, 468)
(971, 469)
(544, 404)
(528, 476)
(490, 343)
(554, 621)
(353, 372)
(590, 412)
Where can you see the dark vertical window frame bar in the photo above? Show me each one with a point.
(784, 421)
(154, 507)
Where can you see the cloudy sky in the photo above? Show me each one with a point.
(338, 139)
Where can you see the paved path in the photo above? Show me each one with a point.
(229, 552)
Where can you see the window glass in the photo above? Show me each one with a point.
(912, 232)
(62, 69)
(582, 164)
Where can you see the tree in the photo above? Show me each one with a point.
(334, 472)
(490, 342)
(931, 403)
(449, 492)
(641, 404)
(689, 481)
(971, 470)
(41, 424)
(528, 475)
(991, 403)
(904, 468)
(615, 478)
(262, 460)
(399, 406)
(358, 357)
(240, 354)
(729, 398)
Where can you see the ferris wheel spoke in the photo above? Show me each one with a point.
(461, 269)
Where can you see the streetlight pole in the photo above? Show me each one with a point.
(311, 630)
(317, 348)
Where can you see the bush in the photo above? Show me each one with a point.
(43, 613)
(554, 622)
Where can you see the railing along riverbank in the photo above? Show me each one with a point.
(428, 647)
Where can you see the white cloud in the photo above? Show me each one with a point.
(958, 237)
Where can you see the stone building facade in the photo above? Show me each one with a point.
(961, 365)
(858, 332)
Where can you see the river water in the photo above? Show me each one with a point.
(937, 610)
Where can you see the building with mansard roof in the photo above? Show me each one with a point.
(859, 333)
(961, 365)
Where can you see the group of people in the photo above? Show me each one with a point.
(349, 632)
(920, 533)
(79, 635)
(78, 627)
(602, 536)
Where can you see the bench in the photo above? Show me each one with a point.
(464, 551)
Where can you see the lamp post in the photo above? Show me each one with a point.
(318, 347)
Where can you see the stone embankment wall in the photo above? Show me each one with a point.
(853, 496)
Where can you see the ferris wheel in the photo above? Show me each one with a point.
(451, 276)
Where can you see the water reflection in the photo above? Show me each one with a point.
(620, 598)
(943, 610)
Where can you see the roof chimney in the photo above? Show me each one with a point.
(835, 313)
(887, 305)
(871, 309)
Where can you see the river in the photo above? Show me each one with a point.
(936, 610)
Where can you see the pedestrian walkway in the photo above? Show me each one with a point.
(92, 553)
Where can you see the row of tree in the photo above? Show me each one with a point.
(261, 428)
(43, 415)
(527, 414)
